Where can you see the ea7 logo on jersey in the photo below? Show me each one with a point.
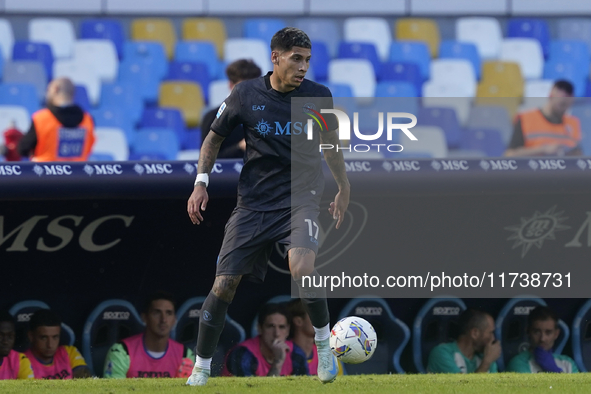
(258, 107)
(221, 110)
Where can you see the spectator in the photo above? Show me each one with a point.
(151, 354)
(13, 365)
(270, 353)
(60, 132)
(302, 334)
(548, 131)
(542, 327)
(475, 350)
(11, 138)
(48, 359)
(234, 145)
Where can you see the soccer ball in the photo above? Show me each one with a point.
(353, 340)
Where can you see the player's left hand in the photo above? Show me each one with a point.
(339, 206)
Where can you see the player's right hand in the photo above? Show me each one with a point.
(197, 203)
(492, 351)
(280, 350)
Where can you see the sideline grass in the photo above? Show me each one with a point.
(505, 383)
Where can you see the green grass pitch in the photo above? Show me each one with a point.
(504, 383)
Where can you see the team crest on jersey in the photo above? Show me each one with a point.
(221, 110)
(263, 128)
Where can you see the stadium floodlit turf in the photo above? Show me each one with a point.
(469, 384)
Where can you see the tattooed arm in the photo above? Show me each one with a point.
(207, 155)
(336, 163)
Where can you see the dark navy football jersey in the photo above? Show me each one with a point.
(282, 166)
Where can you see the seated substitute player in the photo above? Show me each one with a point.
(475, 350)
(151, 354)
(266, 211)
(13, 365)
(548, 131)
(270, 353)
(48, 359)
(542, 327)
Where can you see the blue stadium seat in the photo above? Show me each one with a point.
(192, 72)
(396, 89)
(571, 51)
(81, 98)
(29, 72)
(319, 61)
(511, 328)
(27, 50)
(168, 118)
(187, 328)
(565, 69)
(402, 71)
(445, 118)
(581, 342)
(191, 139)
(435, 323)
(124, 95)
(22, 312)
(114, 116)
(106, 29)
(339, 89)
(412, 52)
(1, 66)
(488, 141)
(262, 28)
(21, 94)
(461, 50)
(159, 141)
(393, 335)
(531, 28)
(152, 53)
(101, 157)
(199, 51)
(360, 50)
(326, 30)
(110, 322)
(139, 73)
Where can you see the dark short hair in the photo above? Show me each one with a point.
(295, 308)
(540, 313)
(271, 309)
(470, 319)
(242, 70)
(44, 318)
(290, 37)
(5, 316)
(565, 86)
(159, 295)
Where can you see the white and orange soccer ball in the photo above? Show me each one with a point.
(353, 340)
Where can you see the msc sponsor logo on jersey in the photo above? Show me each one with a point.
(221, 110)
(498, 165)
(151, 169)
(450, 165)
(61, 228)
(357, 166)
(264, 128)
(53, 169)
(10, 170)
(548, 164)
(368, 311)
(401, 166)
(446, 310)
(103, 169)
(116, 316)
(523, 310)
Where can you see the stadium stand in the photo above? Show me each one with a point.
(57, 32)
(581, 337)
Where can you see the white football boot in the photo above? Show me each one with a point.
(328, 366)
(198, 377)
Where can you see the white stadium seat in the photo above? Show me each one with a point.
(188, 155)
(358, 73)
(457, 72)
(372, 30)
(57, 32)
(527, 52)
(6, 39)
(111, 141)
(218, 91)
(248, 48)
(430, 139)
(539, 88)
(484, 32)
(80, 74)
(100, 54)
(14, 113)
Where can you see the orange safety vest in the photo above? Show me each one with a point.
(58, 143)
(538, 131)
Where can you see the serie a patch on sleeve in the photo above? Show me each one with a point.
(221, 110)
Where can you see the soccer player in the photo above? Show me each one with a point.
(48, 359)
(543, 330)
(475, 350)
(151, 354)
(270, 353)
(13, 365)
(266, 211)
